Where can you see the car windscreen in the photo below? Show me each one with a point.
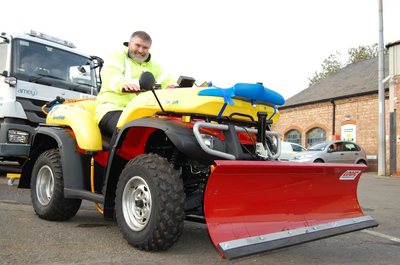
(44, 64)
(318, 147)
(297, 148)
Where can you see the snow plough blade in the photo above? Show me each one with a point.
(254, 206)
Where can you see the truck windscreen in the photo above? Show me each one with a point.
(45, 64)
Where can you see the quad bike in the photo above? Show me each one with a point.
(201, 154)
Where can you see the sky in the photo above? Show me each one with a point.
(279, 43)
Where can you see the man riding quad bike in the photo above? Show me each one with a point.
(201, 154)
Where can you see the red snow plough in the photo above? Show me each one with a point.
(200, 154)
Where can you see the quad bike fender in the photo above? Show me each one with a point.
(181, 136)
(81, 121)
(73, 161)
(131, 142)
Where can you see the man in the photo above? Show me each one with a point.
(29, 63)
(121, 71)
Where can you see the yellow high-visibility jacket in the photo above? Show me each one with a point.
(118, 70)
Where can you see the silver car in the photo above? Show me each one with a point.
(332, 152)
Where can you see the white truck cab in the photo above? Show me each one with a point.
(35, 68)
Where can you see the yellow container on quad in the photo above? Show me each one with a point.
(193, 101)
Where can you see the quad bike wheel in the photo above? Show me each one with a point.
(47, 189)
(150, 203)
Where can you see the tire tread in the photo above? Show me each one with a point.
(170, 213)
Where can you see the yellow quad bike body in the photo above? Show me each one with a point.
(200, 154)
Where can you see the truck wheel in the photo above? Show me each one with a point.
(47, 189)
(150, 203)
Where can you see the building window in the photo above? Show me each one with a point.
(293, 136)
(315, 135)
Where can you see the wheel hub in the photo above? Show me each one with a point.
(44, 185)
(136, 203)
(139, 203)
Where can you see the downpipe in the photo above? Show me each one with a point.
(333, 116)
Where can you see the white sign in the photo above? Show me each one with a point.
(350, 175)
(349, 132)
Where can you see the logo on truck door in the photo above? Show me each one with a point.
(29, 92)
(350, 174)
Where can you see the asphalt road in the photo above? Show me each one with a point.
(89, 239)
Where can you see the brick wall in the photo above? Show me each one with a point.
(362, 111)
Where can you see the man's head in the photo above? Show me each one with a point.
(139, 46)
(29, 63)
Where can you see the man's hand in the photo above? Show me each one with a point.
(131, 88)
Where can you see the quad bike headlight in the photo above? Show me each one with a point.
(16, 136)
(208, 140)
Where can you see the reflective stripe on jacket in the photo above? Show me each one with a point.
(118, 70)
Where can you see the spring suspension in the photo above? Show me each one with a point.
(175, 157)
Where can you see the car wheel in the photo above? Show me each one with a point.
(362, 162)
(47, 189)
(319, 161)
(150, 203)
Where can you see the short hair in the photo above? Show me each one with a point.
(141, 34)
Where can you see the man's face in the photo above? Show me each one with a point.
(139, 49)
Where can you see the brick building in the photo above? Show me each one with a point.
(346, 105)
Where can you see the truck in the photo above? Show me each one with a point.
(35, 68)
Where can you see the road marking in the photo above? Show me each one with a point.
(391, 238)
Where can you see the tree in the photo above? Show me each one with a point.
(362, 53)
(333, 64)
(329, 66)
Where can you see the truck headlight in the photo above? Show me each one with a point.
(208, 140)
(15, 136)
